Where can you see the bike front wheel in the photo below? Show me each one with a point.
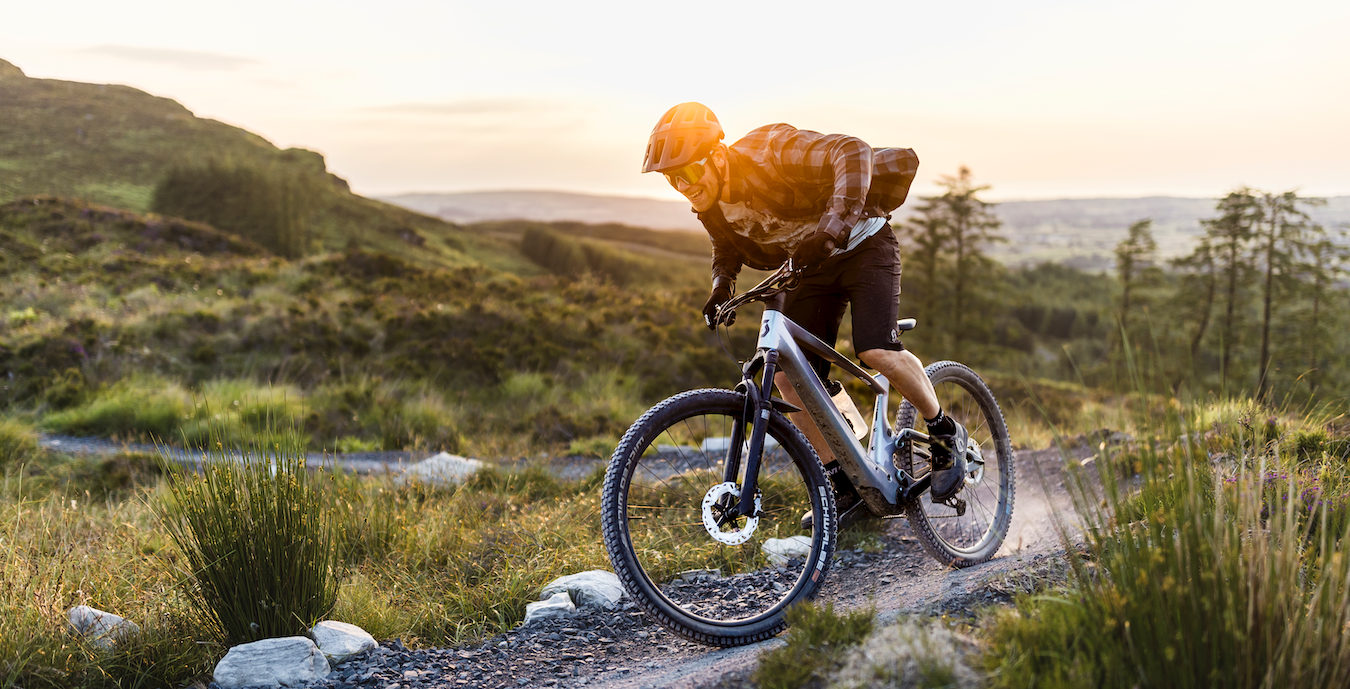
(699, 572)
(971, 531)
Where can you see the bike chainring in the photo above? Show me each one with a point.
(720, 515)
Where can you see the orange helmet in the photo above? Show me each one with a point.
(685, 134)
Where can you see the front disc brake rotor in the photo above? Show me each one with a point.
(718, 507)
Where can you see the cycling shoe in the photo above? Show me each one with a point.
(948, 462)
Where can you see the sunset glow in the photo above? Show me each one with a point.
(1042, 99)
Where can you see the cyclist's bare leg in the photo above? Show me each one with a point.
(905, 372)
(803, 420)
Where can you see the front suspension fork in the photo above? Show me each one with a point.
(758, 405)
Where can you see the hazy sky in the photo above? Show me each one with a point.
(1040, 98)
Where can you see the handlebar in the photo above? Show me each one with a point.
(779, 281)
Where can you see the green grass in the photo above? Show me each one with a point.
(1200, 571)
(66, 544)
(818, 641)
(432, 566)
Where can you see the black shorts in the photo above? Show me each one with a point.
(867, 277)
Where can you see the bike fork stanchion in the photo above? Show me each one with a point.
(731, 470)
(763, 407)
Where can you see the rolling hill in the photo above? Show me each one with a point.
(111, 145)
(1078, 232)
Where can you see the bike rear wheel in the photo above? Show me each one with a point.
(661, 504)
(955, 539)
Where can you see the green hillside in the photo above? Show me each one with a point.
(97, 299)
(111, 145)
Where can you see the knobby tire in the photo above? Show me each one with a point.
(633, 501)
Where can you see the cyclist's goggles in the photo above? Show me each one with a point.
(690, 173)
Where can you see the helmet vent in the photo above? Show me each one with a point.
(684, 134)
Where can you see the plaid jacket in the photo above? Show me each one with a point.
(797, 175)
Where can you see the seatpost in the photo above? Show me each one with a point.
(763, 409)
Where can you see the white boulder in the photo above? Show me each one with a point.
(339, 640)
(558, 605)
(780, 550)
(286, 662)
(596, 588)
(102, 629)
(442, 469)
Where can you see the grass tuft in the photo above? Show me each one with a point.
(260, 548)
(818, 640)
(910, 654)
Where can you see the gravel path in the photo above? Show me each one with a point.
(622, 649)
(357, 462)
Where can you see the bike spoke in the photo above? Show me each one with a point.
(692, 570)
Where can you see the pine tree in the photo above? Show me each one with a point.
(1230, 236)
(966, 223)
(1199, 275)
(926, 235)
(1327, 258)
(1279, 236)
(1135, 255)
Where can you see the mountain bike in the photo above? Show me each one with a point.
(703, 500)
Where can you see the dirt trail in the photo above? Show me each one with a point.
(899, 580)
(622, 649)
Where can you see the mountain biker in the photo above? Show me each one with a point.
(823, 200)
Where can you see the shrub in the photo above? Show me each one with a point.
(817, 643)
(269, 205)
(260, 547)
(133, 408)
(566, 256)
(18, 444)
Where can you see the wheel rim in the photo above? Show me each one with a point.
(985, 493)
(663, 515)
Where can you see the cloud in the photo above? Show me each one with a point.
(183, 59)
(471, 106)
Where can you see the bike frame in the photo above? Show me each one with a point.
(884, 488)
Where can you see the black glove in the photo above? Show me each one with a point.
(814, 250)
(719, 296)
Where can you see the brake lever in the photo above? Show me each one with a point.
(728, 317)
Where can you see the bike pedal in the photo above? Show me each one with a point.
(921, 450)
